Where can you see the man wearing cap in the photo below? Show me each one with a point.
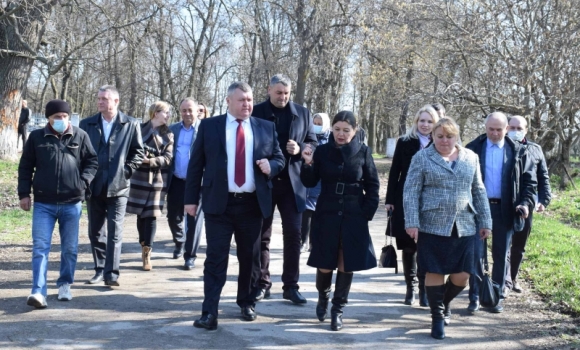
(58, 163)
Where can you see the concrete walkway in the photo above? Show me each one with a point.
(156, 309)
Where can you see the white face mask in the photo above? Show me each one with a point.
(317, 129)
(60, 125)
(516, 135)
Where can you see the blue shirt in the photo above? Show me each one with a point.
(182, 151)
(493, 168)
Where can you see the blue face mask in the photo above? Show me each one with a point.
(317, 129)
(60, 125)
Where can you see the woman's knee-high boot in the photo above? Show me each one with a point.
(451, 291)
(422, 293)
(410, 272)
(341, 290)
(323, 285)
(435, 294)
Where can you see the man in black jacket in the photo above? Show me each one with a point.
(58, 163)
(116, 138)
(23, 123)
(510, 184)
(518, 128)
(294, 128)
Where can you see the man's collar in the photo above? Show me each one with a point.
(500, 144)
(112, 120)
(231, 118)
(187, 129)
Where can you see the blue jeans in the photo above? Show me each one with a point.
(44, 217)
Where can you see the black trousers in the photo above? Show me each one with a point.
(516, 253)
(305, 230)
(283, 198)
(146, 228)
(106, 217)
(243, 219)
(190, 236)
(22, 133)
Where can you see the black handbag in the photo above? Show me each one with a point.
(388, 257)
(488, 289)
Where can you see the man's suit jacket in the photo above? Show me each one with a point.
(176, 129)
(301, 132)
(209, 161)
(518, 181)
(436, 196)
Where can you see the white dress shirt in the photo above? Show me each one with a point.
(231, 131)
(107, 127)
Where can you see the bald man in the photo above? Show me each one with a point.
(517, 130)
(510, 183)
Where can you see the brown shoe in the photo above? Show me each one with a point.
(146, 255)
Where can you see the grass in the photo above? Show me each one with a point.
(15, 225)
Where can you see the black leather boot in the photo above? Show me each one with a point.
(341, 290)
(323, 285)
(423, 301)
(435, 294)
(451, 291)
(410, 271)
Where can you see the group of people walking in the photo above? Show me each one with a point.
(317, 172)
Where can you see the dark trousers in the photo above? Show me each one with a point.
(106, 217)
(501, 241)
(283, 197)
(21, 133)
(243, 218)
(305, 230)
(191, 235)
(146, 228)
(516, 254)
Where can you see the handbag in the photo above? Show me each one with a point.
(488, 289)
(388, 257)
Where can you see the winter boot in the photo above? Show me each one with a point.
(323, 285)
(451, 291)
(435, 294)
(341, 290)
(410, 271)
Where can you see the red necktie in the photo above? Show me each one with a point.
(240, 170)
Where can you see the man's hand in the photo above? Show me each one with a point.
(191, 209)
(413, 232)
(25, 203)
(484, 233)
(524, 209)
(540, 208)
(307, 154)
(264, 165)
(292, 147)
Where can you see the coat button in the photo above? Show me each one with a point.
(339, 213)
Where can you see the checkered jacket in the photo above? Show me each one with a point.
(436, 196)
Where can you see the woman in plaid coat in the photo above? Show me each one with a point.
(149, 181)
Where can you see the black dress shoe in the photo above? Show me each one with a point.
(189, 264)
(473, 306)
(294, 296)
(207, 321)
(261, 294)
(97, 278)
(498, 308)
(248, 313)
(177, 253)
(517, 288)
(112, 283)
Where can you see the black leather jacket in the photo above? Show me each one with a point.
(125, 150)
(537, 157)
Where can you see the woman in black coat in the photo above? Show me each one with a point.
(417, 138)
(348, 200)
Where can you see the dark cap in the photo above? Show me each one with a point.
(56, 106)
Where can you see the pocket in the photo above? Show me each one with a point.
(127, 172)
(472, 208)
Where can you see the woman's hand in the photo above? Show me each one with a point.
(484, 233)
(145, 160)
(413, 232)
(307, 154)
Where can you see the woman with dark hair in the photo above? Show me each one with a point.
(149, 181)
(348, 200)
(416, 139)
(440, 109)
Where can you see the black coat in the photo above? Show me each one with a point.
(125, 150)
(343, 219)
(207, 171)
(301, 132)
(404, 152)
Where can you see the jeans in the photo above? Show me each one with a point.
(44, 217)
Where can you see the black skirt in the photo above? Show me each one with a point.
(445, 255)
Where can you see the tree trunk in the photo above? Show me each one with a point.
(25, 26)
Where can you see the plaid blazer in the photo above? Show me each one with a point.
(436, 196)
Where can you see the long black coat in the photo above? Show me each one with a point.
(404, 152)
(342, 219)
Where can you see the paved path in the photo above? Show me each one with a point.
(156, 309)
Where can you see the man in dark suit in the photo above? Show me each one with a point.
(294, 128)
(237, 156)
(186, 240)
(511, 188)
(23, 123)
(116, 139)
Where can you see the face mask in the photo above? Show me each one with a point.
(516, 135)
(60, 125)
(317, 129)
